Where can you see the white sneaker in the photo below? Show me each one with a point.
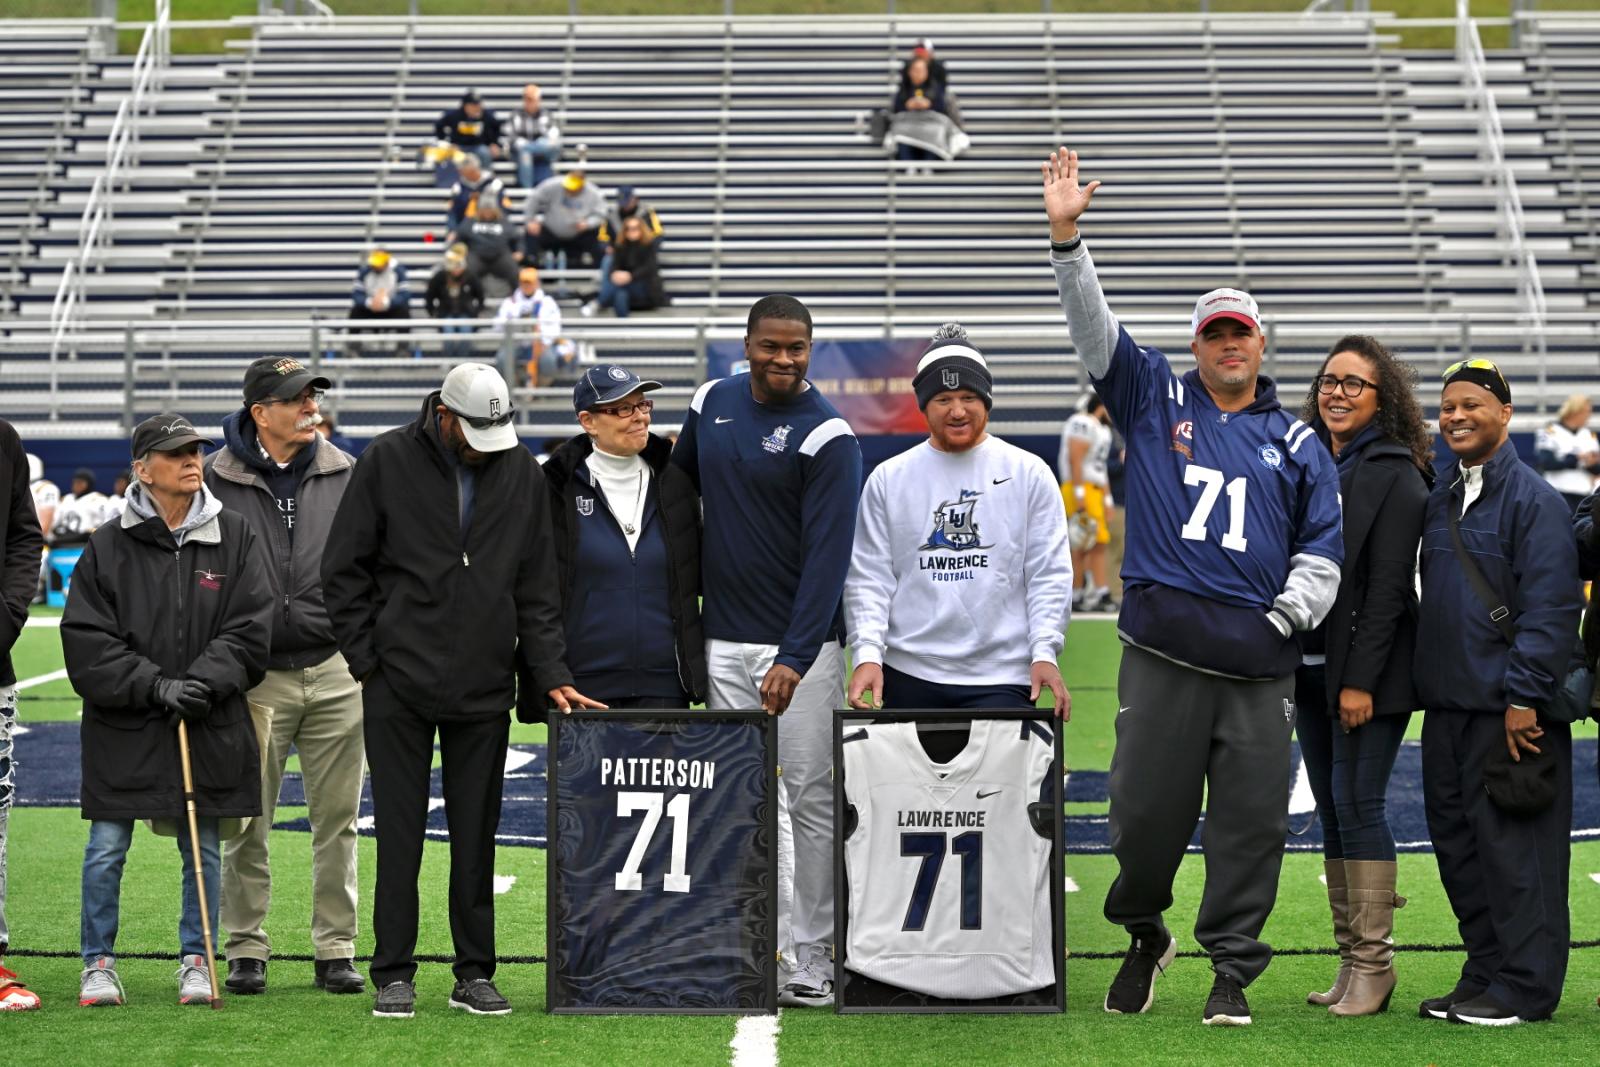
(588, 310)
(812, 984)
(194, 981)
(99, 986)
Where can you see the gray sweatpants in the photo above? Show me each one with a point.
(1182, 733)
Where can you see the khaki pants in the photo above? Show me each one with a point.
(318, 712)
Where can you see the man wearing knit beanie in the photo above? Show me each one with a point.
(961, 581)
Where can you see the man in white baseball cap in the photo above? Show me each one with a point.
(440, 579)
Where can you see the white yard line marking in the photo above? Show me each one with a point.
(503, 883)
(1071, 886)
(44, 622)
(1322, 878)
(1595, 877)
(516, 759)
(42, 679)
(1301, 800)
(755, 1041)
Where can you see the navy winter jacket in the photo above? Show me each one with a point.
(1519, 531)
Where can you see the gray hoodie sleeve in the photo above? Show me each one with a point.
(1089, 320)
(1308, 593)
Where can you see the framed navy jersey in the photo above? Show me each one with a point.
(949, 868)
(663, 863)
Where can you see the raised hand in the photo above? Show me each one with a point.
(1064, 200)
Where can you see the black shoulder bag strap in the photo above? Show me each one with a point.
(1480, 585)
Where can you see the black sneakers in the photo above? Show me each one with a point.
(339, 976)
(246, 977)
(1226, 1005)
(1483, 1010)
(1133, 990)
(1439, 1007)
(397, 1000)
(479, 997)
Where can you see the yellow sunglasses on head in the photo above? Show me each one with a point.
(1473, 364)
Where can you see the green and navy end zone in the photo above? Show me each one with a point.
(1219, 506)
(947, 867)
(767, 473)
(663, 863)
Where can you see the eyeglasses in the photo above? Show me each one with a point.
(313, 395)
(1350, 386)
(1474, 364)
(479, 423)
(625, 411)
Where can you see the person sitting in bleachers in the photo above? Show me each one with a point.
(632, 279)
(629, 205)
(535, 139)
(492, 250)
(918, 93)
(454, 294)
(545, 354)
(381, 292)
(564, 217)
(475, 185)
(471, 127)
(937, 73)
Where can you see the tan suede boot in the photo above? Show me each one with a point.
(1372, 905)
(1338, 900)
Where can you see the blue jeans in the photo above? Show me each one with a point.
(458, 349)
(485, 156)
(8, 779)
(1348, 772)
(535, 162)
(103, 860)
(913, 153)
(621, 298)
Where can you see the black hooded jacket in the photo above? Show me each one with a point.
(143, 608)
(446, 617)
(675, 503)
(22, 540)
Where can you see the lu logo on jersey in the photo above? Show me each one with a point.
(586, 506)
(954, 527)
(777, 440)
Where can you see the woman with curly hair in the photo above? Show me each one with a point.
(1353, 689)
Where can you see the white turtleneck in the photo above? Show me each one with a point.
(624, 480)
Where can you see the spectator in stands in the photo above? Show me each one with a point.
(629, 205)
(535, 139)
(329, 430)
(1353, 690)
(474, 188)
(923, 50)
(382, 292)
(1568, 452)
(1494, 529)
(19, 580)
(918, 92)
(117, 502)
(168, 626)
(471, 127)
(634, 281)
(528, 301)
(46, 498)
(564, 217)
(453, 293)
(492, 250)
(80, 512)
(630, 569)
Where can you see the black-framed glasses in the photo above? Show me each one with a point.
(313, 395)
(481, 423)
(625, 411)
(1350, 386)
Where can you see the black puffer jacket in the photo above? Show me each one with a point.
(21, 540)
(446, 617)
(678, 505)
(143, 608)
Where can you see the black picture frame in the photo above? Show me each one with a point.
(553, 989)
(919, 1004)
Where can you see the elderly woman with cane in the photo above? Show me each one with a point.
(167, 626)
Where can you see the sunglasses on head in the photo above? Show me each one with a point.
(479, 423)
(1473, 364)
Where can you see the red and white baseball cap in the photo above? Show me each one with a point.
(1226, 303)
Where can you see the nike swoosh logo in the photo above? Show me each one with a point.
(1001, 481)
(1121, 710)
(719, 420)
(984, 796)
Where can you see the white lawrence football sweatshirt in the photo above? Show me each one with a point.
(962, 574)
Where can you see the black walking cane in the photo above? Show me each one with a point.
(199, 870)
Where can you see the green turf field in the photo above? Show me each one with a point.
(295, 1024)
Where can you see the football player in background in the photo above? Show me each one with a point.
(1086, 489)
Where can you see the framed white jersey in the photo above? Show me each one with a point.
(663, 863)
(950, 862)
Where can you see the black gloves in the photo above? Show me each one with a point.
(182, 698)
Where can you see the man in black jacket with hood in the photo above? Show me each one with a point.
(627, 536)
(440, 579)
(286, 481)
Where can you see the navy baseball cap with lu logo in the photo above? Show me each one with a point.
(606, 384)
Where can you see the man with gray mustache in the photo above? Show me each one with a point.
(287, 481)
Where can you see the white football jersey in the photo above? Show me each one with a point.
(949, 882)
(1085, 427)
